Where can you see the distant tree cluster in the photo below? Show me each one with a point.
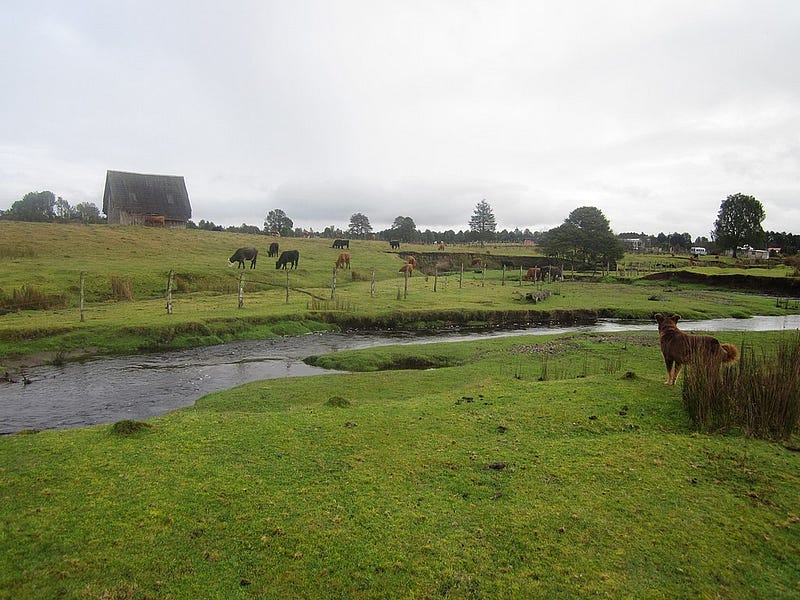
(585, 236)
(45, 207)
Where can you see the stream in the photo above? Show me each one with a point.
(106, 390)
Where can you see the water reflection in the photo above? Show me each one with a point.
(139, 387)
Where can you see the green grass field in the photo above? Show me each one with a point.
(125, 272)
(556, 466)
(520, 467)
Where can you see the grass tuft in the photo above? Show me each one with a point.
(121, 288)
(337, 402)
(129, 427)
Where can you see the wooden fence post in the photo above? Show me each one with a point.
(483, 275)
(83, 317)
(372, 284)
(435, 277)
(461, 277)
(169, 291)
(241, 288)
(287, 286)
(405, 287)
(333, 285)
(503, 279)
(520, 277)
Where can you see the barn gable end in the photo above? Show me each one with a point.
(141, 199)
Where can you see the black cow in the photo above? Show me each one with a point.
(288, 259)
(273, 249)
(394, 244)
(243, 254)
(551, 272)
(341, 244)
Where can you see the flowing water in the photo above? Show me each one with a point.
(138, 387)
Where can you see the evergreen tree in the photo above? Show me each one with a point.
(483, 224)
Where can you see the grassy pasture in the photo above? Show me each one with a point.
(556, 466)
(47, 259)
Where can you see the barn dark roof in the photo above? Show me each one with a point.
(147, 194)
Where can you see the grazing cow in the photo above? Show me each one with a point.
(288, 259)
(553, 273)
(406, 268)
(273, 249)
(341, 244)
(412, 261)
(243, 254)
(343, 260)
(476, 262)
(441, 246)
(394, 244)
(533, 274)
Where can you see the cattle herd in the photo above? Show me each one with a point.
(289, 259)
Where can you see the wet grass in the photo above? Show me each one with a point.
(476, 481)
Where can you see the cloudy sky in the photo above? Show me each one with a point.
(653, 111)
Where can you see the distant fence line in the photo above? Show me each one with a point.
(121, 288)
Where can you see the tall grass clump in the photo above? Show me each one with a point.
(760, 396)
(121, 288)
(32, 298)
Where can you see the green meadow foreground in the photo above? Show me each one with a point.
(557, 466)
(530, 466)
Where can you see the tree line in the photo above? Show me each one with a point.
(585, 235)
(45, 207)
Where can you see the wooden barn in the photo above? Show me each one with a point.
(140, 199)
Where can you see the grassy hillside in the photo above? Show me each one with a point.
(125, 273)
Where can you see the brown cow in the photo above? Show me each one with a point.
(476, 262)
(343, 260)
(533, 274)
(441, 246)
(407, 268)
(412, 261)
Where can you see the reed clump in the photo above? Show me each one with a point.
(760, 395)
(121, 288)
(32, 298)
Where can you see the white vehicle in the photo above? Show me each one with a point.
(698, 250)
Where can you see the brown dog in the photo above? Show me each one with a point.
(679, 348)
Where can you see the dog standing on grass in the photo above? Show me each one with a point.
(679, 348)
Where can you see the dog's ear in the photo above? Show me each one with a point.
(676, 317)
(658, 317)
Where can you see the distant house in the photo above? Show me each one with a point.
(140, 199)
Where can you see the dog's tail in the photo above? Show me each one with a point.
(731, 353)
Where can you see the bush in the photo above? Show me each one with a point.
(760, 396)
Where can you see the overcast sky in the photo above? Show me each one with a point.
(652, 111)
